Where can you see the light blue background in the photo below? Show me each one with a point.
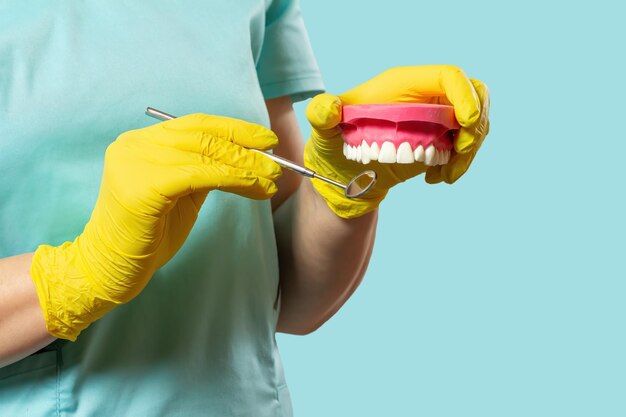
(504, 294)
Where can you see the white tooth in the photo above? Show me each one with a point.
(374, 151)
(419, 153)
(387, 153)
(350, 152)
(345, 149)
(365, 152)
(429, 155)
(437, 158)
(358, 154)
(446, 157)
(405, 154)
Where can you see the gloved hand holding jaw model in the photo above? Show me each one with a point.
(434, 84)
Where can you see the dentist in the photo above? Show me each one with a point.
(145, 269)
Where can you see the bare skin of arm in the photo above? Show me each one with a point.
(22, 326)
(322, 257)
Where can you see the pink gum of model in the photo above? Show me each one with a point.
(415, 124)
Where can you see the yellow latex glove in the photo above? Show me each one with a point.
(434, 84)
(155, 180)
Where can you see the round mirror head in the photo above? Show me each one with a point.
(361, 184)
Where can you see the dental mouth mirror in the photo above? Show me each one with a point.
(358, 186)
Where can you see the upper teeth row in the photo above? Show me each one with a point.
(388, 153)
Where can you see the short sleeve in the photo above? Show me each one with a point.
(286, 65)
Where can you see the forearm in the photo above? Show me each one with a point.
(22, 326)
(323, 258)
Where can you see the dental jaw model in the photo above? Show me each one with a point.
(398, 133)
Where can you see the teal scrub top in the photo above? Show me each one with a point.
(199, 340)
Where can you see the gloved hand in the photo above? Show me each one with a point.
(434, 84)
(155, 180)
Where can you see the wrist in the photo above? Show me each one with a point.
(68, 298)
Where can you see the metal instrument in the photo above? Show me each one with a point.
(358, 186)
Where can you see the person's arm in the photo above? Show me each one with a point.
(325, 239)
(22, 326)
(322, 256)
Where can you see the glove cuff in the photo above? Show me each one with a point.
(334, 196)
(65, 293)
